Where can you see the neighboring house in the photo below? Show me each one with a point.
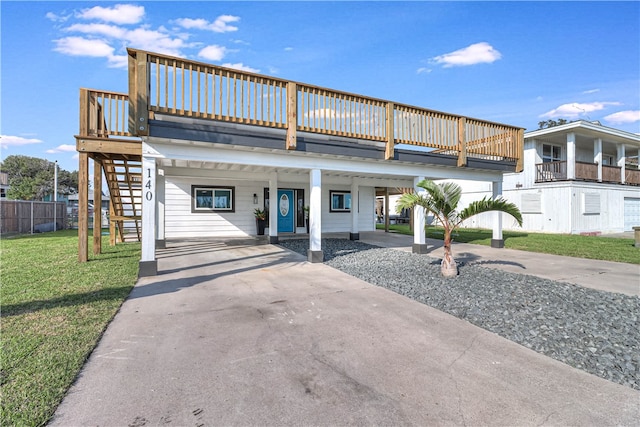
(580, 177)
(4, 184)
(205, 146)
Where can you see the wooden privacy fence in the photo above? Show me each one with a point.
(169, 85)
(24, 217)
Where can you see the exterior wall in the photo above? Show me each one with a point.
(180, 222)
(562, 208)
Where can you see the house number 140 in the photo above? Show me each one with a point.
(149, 193)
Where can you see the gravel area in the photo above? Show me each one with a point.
(596, 331)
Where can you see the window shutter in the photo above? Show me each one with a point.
(531, 203)
(591, 203)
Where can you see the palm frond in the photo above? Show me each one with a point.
(487, 204)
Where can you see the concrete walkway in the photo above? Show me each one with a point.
(234, 333)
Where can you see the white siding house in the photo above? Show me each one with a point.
(580, 177)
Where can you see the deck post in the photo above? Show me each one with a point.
(387, 220)
(462, 142)
(314, 254)
(355, 233)
(419, 220)
(83, 207)
(622, 160)
(571, 156)
(138, 93)
(273, 208)
(292, 115)
(497, 241)
(97, 207)
(597, 156)
(112, 223)
(519, 145)
(148, 264)
(390, 150)
(160, 185)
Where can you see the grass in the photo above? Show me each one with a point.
(590, 247)
(54, 311)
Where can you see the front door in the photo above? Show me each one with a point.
(286, 212)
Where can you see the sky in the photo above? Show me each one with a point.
(516, 63)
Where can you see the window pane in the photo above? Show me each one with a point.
(347, 201)
(204, 199)
(337, 201)
(223, 199)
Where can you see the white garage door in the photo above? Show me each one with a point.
(631, 213)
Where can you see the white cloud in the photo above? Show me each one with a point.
(240, 66)
(586, 92)
(64, 148)
(576, 109)
(474, 54)
(627, 116)
(220, 25)
(78, 46)
(118, 14)
(213, 53)
(56, 18)
(118, 61)
(423, 70)
(101, 29)
(288, 49)
(7, 141)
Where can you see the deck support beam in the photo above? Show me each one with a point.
(148, 263)
(390, 150)
(419, 220)
(571, 156)
(355, 229)
(83, 207)
(497, 241)
(314, 254)
(292, 115)
(160, 190)
(597, 156)
(273, 208)
(97, 207)
(462, 142)
(622, 161)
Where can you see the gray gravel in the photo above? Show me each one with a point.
(596, 331)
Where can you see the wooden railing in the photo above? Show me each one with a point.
(557, 171)
(169, 85)
(103, 113)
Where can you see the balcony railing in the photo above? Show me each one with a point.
(557, 171)
(176, 86)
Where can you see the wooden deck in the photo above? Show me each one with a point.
(111, 124)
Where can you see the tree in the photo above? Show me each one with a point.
(441, 199)
(31, 178)
(551, 123)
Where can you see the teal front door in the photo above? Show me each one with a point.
(286, 214)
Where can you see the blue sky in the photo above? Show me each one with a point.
(511, 62)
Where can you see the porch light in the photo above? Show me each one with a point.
(255, 199)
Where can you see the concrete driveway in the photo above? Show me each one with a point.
(234, 333)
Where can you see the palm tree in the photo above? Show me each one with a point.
(442, 200)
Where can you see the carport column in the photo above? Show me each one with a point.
(148, 263)
(497, 241)
(597, 156)
(355, 233)
(273, 208)
(419, 221)
(622, 160)
(314, 253)
(571, 156)
(160, 239)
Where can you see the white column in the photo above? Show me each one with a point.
(419, 221)
(315, 216)
(273, 207)
(571, 155)
(622, 160)
(355, 233)
(148, 264)
(497, 241)
(597, 156)
(160, 184)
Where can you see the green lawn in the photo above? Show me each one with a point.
(591, 247)
(54, 310)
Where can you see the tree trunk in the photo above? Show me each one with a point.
(448, 268)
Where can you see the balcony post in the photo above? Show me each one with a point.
(314, 254)
(355, 229)
(462, 142)
(622, 160)
(597, 156)
(571, 156)
(273, 208)
(292, 115)
(419, 221)
(138, 93)
(497, 240)
(148, 263)
(389, 152)
(160, 211)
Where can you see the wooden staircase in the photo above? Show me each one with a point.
(124, 179)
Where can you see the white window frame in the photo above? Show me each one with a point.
(344, 205)
(227, 193)
(552, 158)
